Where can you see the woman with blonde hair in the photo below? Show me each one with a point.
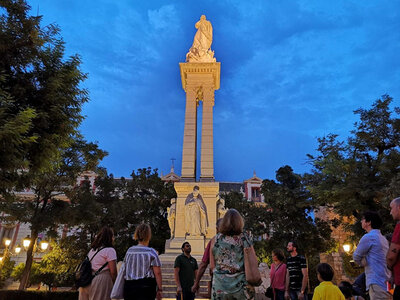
(143, 279)
(227, 259)
(103, 258)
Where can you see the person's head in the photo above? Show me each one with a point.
(104, 238)
(142, 234)
(186, 248)
(325, 272)
(203, 17)
(395, 209)
(218, 224)
(232, 223)
(346, 288)
(291, 247)
(278, 255)
(196, 190)
(371, 220)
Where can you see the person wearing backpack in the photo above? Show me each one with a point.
(103, 260)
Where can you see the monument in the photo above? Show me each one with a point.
(197, 205)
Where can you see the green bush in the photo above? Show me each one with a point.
(6, 267)
(38, 295)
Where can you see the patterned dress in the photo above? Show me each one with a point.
(229, 280)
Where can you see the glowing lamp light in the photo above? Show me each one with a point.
(44, 245)
(7, 242)
(346, 248)
(26, 242)
(1, 259)
(17, 249)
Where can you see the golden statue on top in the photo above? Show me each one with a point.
(201, 48)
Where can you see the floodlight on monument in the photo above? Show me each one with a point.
(26, 242)
(346, 248)
(7, 242)
(44, 245)
(17, 249)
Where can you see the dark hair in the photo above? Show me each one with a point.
(184, 244)
(294, 244)
(325, 271)
(346, 288)
(104, 238)
(279, 254)
(142, 233)
(374, 218)
(232, 223)
(196, 188)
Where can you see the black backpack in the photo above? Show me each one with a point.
(83, 272)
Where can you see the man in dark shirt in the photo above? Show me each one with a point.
(296, 274)
(185, 271)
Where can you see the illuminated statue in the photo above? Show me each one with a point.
(201, 48)
(196, 219)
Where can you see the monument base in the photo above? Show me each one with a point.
(209, 193)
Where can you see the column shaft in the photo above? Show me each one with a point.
(207, 143)
(190, 138)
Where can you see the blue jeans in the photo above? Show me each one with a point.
(294, 295)
(279, 295)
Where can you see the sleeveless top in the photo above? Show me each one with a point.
(229, 275)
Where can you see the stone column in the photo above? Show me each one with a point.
(207, 148)
(190, 137)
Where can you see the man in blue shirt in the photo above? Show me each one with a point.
(371, 254)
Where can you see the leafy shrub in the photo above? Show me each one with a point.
(38, 295)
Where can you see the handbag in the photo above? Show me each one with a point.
(270, 291)
(118, 288)
(253, 276)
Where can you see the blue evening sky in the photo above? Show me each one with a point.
(291, 71)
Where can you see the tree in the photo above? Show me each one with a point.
(41, 103)
(360, 173)
(123, 204)
(291, 214)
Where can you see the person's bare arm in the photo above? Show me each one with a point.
(287, 285)
(112, 265)
(158, 276)
(199, 275)
(177, 281)
(304, 282)
(392, 255)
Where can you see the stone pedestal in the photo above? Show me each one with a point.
(208, 192)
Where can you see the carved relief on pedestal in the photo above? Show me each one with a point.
(221, 210)
(171, 211)
(196, 218)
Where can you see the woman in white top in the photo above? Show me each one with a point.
(142, 268)
(101, 254)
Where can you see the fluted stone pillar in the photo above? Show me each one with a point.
(207, 144)
(189, 152)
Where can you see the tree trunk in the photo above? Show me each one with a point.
(29, 259)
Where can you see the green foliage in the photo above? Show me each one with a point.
(351, 270)
(123, 204)
(360, 173)
(290, 209)
(6, 267)
(38, 295)
(34, 275)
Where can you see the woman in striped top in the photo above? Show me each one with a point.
(143, 279)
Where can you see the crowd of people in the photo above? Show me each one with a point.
(140, 277)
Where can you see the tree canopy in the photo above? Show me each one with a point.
(361, 172)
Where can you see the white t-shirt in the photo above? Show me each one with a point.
(104, 255)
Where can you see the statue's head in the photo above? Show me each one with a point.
(203, 17)
(196, 190)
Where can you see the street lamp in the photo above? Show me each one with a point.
(26, 242)
(17, 249)
(44, 245)
(7, 242)
(346, 248)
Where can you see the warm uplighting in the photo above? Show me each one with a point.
(7, 242)
(44, 245)
(1, 259)
(26, 242)
(346, 248)
(17, 249)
